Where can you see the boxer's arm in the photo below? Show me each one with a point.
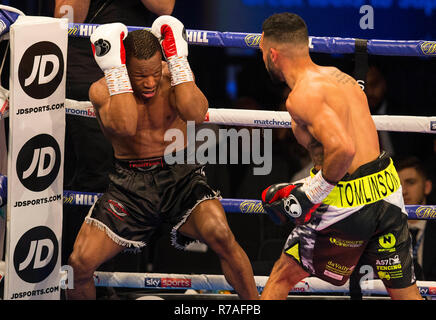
(189, 101)
(77, 9)
(187, 98)
(118, 113)
(159, 7)
(324, 124)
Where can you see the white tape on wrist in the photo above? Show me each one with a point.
(317, 188)
(117, 80)
(180, 70)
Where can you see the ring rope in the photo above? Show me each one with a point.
(218, 282)
(277, 119)
(250, 206)
(331, 45)
(268, 119)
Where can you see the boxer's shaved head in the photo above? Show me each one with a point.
(141, 44)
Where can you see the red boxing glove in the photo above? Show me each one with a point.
(172, 36)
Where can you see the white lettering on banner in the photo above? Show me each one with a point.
(85, 199)
(197, 36)
(38, 50)
(39, 157)
(35, 254)
(86, 31)
(39, 68)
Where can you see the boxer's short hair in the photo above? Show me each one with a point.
(141, 44)
(286, 27)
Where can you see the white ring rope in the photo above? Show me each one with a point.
(218, 282)
(279, 119)
(270, 119)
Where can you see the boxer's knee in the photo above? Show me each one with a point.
(288, 270)
(83, 268)
(221, 240)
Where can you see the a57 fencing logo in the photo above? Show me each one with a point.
(38, 162)
(41, 69)
(36, 254)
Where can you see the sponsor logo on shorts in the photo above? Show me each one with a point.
(388, 262)
(346, 243)
(387, 243)
(117, 209)
(333, 275)
(338, 269)
(432, 291)
(433, 125)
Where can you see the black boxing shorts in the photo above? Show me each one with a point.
(363, 221)
(142, 194)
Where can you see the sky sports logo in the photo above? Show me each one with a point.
(427, 291)
(167, 283)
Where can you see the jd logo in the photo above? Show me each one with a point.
(36, 254)
(38, 162)
(41, 69)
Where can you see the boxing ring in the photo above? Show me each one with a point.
(266, 119)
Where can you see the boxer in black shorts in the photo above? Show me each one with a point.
(137, 102)
(351, 205)
(144, 193)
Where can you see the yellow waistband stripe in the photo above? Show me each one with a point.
(364, 190)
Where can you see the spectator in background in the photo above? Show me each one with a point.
(376, 90)
(416, 187)
(88, 155)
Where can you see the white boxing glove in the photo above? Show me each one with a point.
(110, 55)
(172, 37)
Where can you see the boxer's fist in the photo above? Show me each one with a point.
(107, 45)
(172, 36)
(285, 201)
(3, 190)
(110, 55)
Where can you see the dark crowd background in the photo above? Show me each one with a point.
(236, 78)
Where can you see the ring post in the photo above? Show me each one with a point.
(35, 160)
